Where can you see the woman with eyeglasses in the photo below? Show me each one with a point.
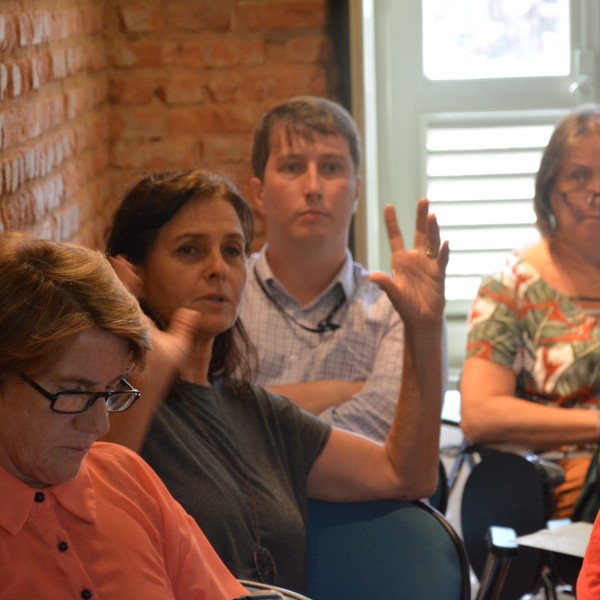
(241, 460)
(532, 373)
(80, 519)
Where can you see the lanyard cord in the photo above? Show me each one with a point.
(323, 325)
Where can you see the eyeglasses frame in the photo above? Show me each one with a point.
(590, 202)
(53, 398)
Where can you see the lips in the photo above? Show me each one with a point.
(217, 298)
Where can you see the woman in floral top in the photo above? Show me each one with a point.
(532, 374)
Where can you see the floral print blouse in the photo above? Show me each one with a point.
(548, 341)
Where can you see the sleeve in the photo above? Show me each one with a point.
(295, 427)
(588, 583)
(493, 327)
(298, 435)
(371, 411)
(195, 570)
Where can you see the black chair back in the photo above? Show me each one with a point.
(507, 490)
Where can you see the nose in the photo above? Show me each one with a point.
(94, 419)
(312, 181)
(216, 265)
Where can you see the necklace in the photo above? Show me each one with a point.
(263, 560)
(324, 325)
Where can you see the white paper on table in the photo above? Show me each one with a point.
(569, 539)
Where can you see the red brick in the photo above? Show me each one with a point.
(141, 89)
(264, 15)
(25, 24)
(139, 122)
(90, 93)
(278, 82)
(211, 119)
(9, 36)
(192, 55)
(137, 54)
(148, 156)
(198, 16)
(224, 87)
(224, 148)
(311, 49)
(137, 17)
(16, 83)
(92, 18)
(185, 87)
(3, 83)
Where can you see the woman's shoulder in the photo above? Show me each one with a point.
(516, 269)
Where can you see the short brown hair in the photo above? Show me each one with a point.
(53, 291)
(303, 116)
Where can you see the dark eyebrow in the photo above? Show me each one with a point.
(203, 236)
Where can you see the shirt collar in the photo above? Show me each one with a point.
(345, 276)
(17, 498)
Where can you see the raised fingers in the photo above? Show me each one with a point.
(393, 230)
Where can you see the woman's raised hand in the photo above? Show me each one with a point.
(416, 288)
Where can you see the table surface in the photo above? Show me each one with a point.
(571, 539)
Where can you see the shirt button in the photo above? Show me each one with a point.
(63, 546)
(86, 594)
(39, 497)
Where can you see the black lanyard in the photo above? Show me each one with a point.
(323, 325)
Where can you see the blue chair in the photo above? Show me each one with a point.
(386, 549)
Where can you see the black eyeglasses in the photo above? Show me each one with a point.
(581, 199)
(77, 401)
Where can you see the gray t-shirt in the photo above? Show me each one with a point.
(223, 450)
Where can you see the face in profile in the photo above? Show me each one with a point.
(41, 447)
(197, 261)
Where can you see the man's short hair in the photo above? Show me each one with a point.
(304, 116)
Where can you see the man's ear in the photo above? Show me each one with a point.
(358, 191)
(256, 186)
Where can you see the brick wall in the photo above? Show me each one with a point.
(53, 106)
(96, 93)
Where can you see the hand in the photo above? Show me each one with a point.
(174, 345)
(416, 288)
(127, 273)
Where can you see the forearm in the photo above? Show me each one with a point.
(504, 418)
(490, 412)
(412, 445)
(130, 427)
(353, 468)
(317, 396)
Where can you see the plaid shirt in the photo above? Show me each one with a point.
(367, 347)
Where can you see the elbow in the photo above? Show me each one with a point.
(475, 430)
(423, 486)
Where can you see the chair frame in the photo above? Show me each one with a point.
(256, 586)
